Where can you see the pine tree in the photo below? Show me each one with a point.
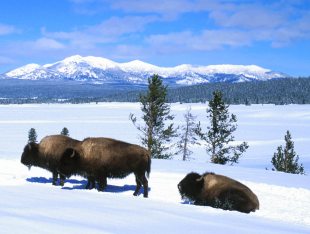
(155, 134)
(65, 131)
(32, 136)
(286, 159)
(219, 134)
(188, 135)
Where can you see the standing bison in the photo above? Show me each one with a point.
(47, 154)
(218, 191)
(102, 158)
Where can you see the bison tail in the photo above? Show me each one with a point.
(148, 169)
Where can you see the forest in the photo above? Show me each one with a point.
(276, 91)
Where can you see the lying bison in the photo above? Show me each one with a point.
(102, 158)
(47, 154)
(218, 191)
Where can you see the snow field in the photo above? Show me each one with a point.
(30, 204)
(29, 199)
(262, 126)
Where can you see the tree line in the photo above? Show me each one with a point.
(157, 131)
(275, 91)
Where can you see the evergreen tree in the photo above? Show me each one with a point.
(155, 134)
(32, 135)
(65, 131)
(286, 159)
(219, 134)
(188, 135)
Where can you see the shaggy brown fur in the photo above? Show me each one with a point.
(99, 158)
(218, 191)
(47, 154)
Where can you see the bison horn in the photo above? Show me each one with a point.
(199, 179)
(72, 155)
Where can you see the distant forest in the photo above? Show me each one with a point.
(276, 91)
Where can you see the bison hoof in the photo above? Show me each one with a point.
(101, 189)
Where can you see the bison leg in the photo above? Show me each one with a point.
(234, 200)
(141, 180)
(102, 183)
(239, 201)
(55, 177)
(145, 186)
(138, 187)
(62, 180)
(90, 183)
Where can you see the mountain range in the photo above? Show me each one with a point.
(100, 70)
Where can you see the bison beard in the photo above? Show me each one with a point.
(102, 158)
(218, 191)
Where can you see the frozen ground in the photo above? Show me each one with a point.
(30, 204)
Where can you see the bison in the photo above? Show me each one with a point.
(47, 154)
(218, 191)
(102, 158)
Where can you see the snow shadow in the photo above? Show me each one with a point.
(119, 189)
(43, 180)
(187, 202)
(81, 184)
(109, 188)
(125, 188)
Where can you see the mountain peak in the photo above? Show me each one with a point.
(138, 65)
(99, 62)
(23, 70)
(227, 68)
(73, 58)
(99, 69)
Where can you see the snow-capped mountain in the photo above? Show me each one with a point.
(102, 70)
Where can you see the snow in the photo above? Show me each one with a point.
(77, 65)
(97, 62)
(137, 65)
(71, 65)
(23, 70)
(229, 69)
(30, 204)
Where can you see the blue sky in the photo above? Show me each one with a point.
(271, 34)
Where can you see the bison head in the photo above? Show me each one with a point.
(30, 155)
(191, 186)
(69, 162)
